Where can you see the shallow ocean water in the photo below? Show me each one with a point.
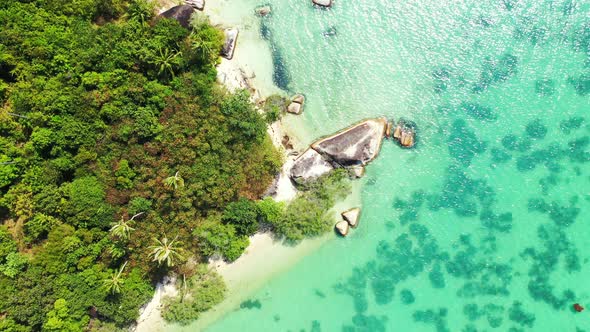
(484, 225)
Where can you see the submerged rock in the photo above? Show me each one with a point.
(263, 10)
(352, 216)
(196, 4)
(342, 227)
(180, 13)
(231, 37)
(322, 3)
(356, 145)
(309, 166)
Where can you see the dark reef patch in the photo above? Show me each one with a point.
(442, 80)
(407, 297)
(251, 304)
(463, 143)
(499, 156)
(280, 76)
(536, 129)
(545, 87)
(554, 245)
(518, 315)
(562, 215)
(496, 71)
(571, 124)
(366, 323)
(581, 84)
(436, 276)
(478, 111)
(438, 318)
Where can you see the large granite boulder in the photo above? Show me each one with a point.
(352, 216)
(322, 3)
(342, 227)
(356, 145)
(231, 37)
(180, 13)
(309, 166)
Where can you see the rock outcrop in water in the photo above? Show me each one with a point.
(180, 13)
(231, 37)
(405, 133)
(352, 216)
(296, 105)
(342, 227)
(309, 166)
(351, 148)
(356, 145)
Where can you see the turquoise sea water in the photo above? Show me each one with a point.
(484, 226)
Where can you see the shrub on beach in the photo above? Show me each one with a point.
(196, 295)
(309, 214)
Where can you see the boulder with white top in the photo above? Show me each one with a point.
(342, 227)
(356, 145)
(309, 166)
(322, 3)
(196, 4)
(352, 216)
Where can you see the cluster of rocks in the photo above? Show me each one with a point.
(350, 219)
(351, 148)
(404, 132)
(296, 105)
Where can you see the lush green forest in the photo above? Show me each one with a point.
(121, 160)
(118, 155)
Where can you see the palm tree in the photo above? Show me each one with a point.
(122, 228)
(114, 282)
(198, 43)
(174, 181)
(166, 252)
(164, 61)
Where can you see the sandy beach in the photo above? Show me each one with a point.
(265, 257)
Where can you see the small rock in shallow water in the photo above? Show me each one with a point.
(322, 3)
(300, 99)
(352, 216)
(263, 11)
(342, 227)
(295, 108)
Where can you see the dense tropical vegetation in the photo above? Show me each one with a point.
(122, 160)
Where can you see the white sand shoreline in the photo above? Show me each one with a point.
(264, 258)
